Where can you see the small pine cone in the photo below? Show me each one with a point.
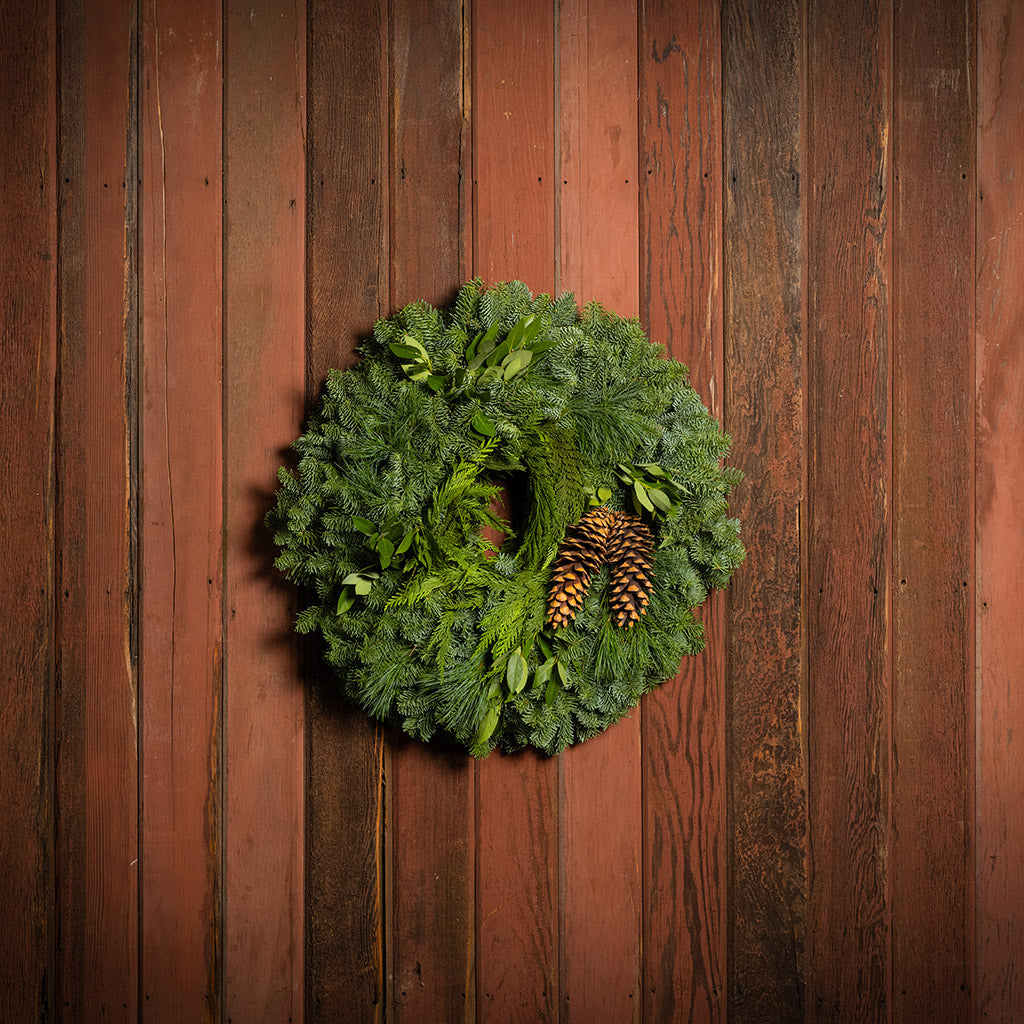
(630, 553)
(579, 557)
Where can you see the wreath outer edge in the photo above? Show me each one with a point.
(384, 521)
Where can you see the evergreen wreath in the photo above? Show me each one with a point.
(428, 624)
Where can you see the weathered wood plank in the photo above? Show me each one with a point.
(848, 544)
(429, 126)
(600, 780)
(28, 331)
(931, 859)
(97, 768)
(513, 142)
(683, 723)
(431, 789)
(347, 289)
(514, 237)
(181, 519)
(764, 403)
(999, 586)
(598, 167)
(264, 292)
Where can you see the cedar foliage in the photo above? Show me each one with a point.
(426, 626)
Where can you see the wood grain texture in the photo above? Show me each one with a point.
(683, 723)
(931, 862)
(513, 206)
(600, 780)
(598, 165)
(181, 520)
(848, 557)
(347, 289)
(429, 132)
(764, 401)
(28, 330)
(97, 767)
(999, 586)
(513, 142)
(430, 828)
(264, 350)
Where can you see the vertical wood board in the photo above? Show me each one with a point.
(431, 789)
(1000, 498)
(513, 215)
(97, 766)
(28, 325)
(848, 556)
(513, 142)
(682, 740)
(931, 868)
(598, 164)
(600, 844)
(347, 289)
(764, 196)
(181, 517)
(264, 374)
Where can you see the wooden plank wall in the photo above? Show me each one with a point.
(816, 206)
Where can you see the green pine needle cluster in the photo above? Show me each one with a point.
(427, 625)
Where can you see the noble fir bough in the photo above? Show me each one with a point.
(622, 529)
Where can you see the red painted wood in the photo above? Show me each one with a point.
(764, 185)
(181, 512)
(683, 723)
(600, 780)
(97, 767)
(347, 289)
(597, 83)
(28, 330)
(513, 142)
(848, 558)
(1000, 498)
(431, 789)
(514, 237)
(264, 291)
(931, 860)
(429, 127)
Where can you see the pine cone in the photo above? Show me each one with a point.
(579, 557)
(630, 554)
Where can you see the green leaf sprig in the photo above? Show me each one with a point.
(415, 362)
(651, 488)
(390, 543)
(488, 360)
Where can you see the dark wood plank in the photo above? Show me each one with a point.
(431, 789)
(600, 781)
(1000, 498)
(931, 859)
(764, 403)
(429, 125)
(97, 769)
(28, 330)
(346, 289)
(516, 797)
(264, 293)
(848, 543)
(683, 723)
(181, 520)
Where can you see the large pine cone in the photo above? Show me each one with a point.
(630, 554)
(581, 554)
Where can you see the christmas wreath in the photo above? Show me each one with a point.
(611, 467)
